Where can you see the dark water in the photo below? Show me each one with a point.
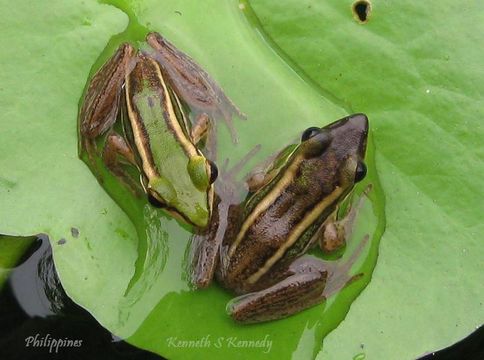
(470, 348)
(39, 321)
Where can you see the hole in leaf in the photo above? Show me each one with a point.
(361, 9)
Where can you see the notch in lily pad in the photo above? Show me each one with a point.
(362, 10)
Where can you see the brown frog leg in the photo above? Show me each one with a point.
(333, 233)
(200, 128)
(205, 246)
(332, 236)
(101, 101)
(202, 251)
(192, 83)
(287, 290)
(116, 148)
(203, 132)
(265, 171)
(299, 286)
(258, 178)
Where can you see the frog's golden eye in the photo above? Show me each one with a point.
(213, 171)
(360, 172)
(309, 133)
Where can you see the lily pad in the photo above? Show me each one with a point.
(98, 242)
(11, 250)
(416, 69)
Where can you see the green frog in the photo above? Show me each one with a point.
(257, 249)
(134, 115)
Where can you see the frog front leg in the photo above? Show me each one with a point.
(331, 237)
(203, 250)
(267, 170)
(205, 246)
(200, 129)
(334, 232)
(116, 155)
(202, 135)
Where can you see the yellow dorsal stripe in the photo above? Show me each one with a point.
(172, 119)
(148, 166)
(296, 233)
(136, 124)
(267, 201)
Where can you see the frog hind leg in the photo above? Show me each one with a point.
(287, 290)
(115, 151)
(101, 102)
(193, 84)
(301, 286)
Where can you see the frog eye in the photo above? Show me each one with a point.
(316, 143)
(360, 172)
(154, 201)
(309, 133)
(213, 171)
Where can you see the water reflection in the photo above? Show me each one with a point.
(34, 307)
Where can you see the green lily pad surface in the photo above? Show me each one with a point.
(416, 69)
(11, 250)
(421, 92)
(121, 259)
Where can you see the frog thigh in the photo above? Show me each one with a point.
(116, 149)
(300, 290)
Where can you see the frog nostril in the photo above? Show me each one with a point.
(361, 10)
